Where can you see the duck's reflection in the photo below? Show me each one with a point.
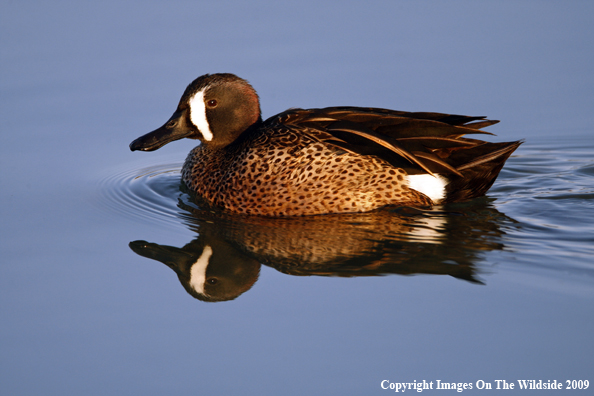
(224, 259)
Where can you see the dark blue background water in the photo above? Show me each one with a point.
(81, 313)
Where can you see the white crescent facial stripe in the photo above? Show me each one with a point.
(198, 270)
(431, 186)
(198, 115)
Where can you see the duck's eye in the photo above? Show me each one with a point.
(213, 281)
(212, 103)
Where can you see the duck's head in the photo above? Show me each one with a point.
(209, 268)
(215, 108)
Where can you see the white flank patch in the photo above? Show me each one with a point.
(198, 115)
(198, 270)
(431, 186)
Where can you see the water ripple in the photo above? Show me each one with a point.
(148, 194)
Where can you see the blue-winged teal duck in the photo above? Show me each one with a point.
(330, 160)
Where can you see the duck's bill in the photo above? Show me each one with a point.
(174, 129)
(168, 255)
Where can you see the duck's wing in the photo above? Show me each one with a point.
(419, 142)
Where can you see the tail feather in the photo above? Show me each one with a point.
(479, 173)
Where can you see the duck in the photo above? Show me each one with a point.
(323, 160)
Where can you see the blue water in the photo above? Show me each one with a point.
(499, 288)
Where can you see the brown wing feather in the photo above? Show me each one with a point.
(418, 142)
(421, 142)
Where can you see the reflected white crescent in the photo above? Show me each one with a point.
(198, 270)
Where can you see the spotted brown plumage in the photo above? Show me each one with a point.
(318, 161)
